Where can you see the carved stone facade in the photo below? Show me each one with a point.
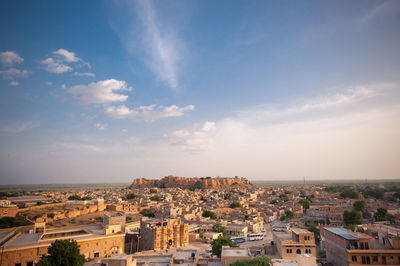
(163, 234)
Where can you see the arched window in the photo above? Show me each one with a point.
(298, 251)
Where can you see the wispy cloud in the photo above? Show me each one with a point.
(100, 92)
(14, 83)
(152, 38)
(19, 128)
(61, 60)
(383, 9)
(13, 73)
(101, 127)
(194, 139)
(53, 66)
(10, 58)
(149, 113)
(84, 74)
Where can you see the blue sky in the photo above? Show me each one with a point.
(101, 91)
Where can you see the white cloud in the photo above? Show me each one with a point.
(67, 55)
(12, 73)
(59, 63)
(84, 74)
(316, 106)
(101, 92)
(63, 86)
(194, 139)
(149, 113)
(49, 83)
(14, 83)
(9, 58)
(101, 127)
(383, 9)
(162, 45)
(19, 128)
(54, 66)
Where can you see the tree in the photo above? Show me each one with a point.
(322, 253)
(351, 217)
(305, 202)
(156, 198)
(289, 214)
(259, 261)
(235, 205)
(147, 213)
(210, 214)
(315, 230)
(227, 196)
(63, 253)
(50, 215)
(349, 193)
(273, 192)
(380, 214)
(131, 196)
(219, 242)
(273, 202)
(153, 191)
(360, 205)
(218, 228)
(74, 197)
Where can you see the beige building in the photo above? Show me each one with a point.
(347, 248)
(27, 248)
(296, 244)
(162, 234)
(230, 255)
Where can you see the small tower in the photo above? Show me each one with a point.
(40, 227)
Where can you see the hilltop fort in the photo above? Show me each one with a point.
(191, 182)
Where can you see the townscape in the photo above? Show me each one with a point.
(205, 221)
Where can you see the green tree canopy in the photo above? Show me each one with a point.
(349, 193)
(259, 261)
(219, 242)
(235, 205)
(352, 217)
(63, 253)
(227, 196)
(131, 196)
(360, 205)
(273, 202)
(380, 214)
(219, 228)
(156, 198)
(305, 203)
(210, 214)
(147, 213)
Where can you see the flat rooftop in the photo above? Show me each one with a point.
(27, 240)
(342, 232)
(235, 252)
(300, 231)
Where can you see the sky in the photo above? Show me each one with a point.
(107, 91)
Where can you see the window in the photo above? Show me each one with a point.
(375, 258)
(368, 260)
(298, 251)
(353, 258)
(96, 254)
(363, 260)
(287, 250)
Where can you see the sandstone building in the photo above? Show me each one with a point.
(162, 234)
